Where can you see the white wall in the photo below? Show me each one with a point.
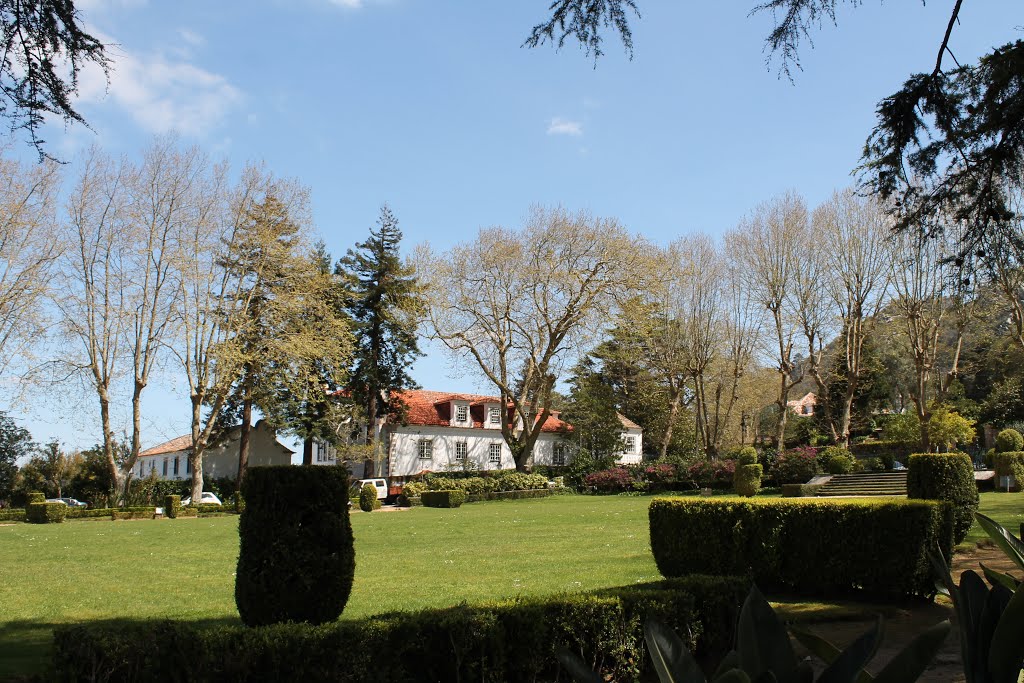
(219, 462)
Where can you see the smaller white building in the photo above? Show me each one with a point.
(169, 460)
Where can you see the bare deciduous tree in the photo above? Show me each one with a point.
(523, 304)
(854, 239)
(766, 245)
(28, 248)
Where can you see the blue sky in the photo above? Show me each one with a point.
(435, 108)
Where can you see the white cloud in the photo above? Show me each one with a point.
(191, 37)
(560, 126)
(160, 93)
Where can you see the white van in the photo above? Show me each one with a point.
(380, 484)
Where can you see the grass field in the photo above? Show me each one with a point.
(184, 569)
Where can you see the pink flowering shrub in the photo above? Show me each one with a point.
(712, 472)
(611, 480)
(663, 473)
(796, 465)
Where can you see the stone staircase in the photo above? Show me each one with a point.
(868, 484)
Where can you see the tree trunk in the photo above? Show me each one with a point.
(198, 448)
(670, 424)
(307, 451)
(780, 421)
(243, 439)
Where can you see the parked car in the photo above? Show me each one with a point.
(206, 499)
(380, 484)
(72, 503)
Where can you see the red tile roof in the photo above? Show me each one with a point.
(433, 408)
(182, 443)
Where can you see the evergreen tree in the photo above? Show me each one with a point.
(15, 443)
(385, 304)
(591, 411)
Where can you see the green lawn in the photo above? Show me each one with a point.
(184, 569)
(1005, 508)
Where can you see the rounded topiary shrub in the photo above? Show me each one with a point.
(949, 477)
(296, 559)
(746, 456)
(368, 498)
(836, 460)
(747, 479)
(1009, 440)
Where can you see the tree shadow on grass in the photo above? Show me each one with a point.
(26, 647)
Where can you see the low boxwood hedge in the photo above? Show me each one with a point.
(45, 513)
(509, 495)
(800, 490)
(804, 546)
(90, 513)
(511, 640)
(139, 512)
(12, 515)
(443, 499)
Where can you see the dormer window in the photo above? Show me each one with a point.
(461, 413)
(494, 415)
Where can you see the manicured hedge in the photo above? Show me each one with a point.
(800, 490)
(499, 481)
(172, 506)
(12, 515)
(949, 477)
(887, 451)
(45, 513)
(443, 499)
(513, 640)
(139, 512)
(805, 546)
(509, 495)
(211, 508)
(747, 479)
(296, 558)
(1005, 463)
(35, 497)
(90, 513)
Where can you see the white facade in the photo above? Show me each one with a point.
(170, 460)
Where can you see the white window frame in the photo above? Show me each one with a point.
(494, 415)
(461, 413)
(559, 455)
(493, 450)
(176, 466)
(462, 446)
(629, 443)
(425, 449)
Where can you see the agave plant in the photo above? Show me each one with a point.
(991, 620)
(764, 654)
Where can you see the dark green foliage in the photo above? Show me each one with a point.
(385, 304)
(951, 144)
(508, 495)
(805, 546)
(36, 497)
(836, 460)
(1010, 465)
(747, 479)
(296, 557)
(45, 513)
(443, 499)
(991, 620)
(91, 513)
(747, 456)
(949, 477)
(592, 412)
(136, 512)
(45, 48)
(887, 451)
(15, 443)
(764, 653)
(368, 501)
(172, 506)
(512, 640)
(506, 480)
(1009, 440)
(800, 490)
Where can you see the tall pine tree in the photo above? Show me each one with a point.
(385, 305)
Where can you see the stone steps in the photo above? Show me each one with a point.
(868, 484)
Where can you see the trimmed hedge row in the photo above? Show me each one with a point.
(499, 481)
(512, 640)
(45, 513)
(1005, 463)
(804, 546)
(887, 451)
(800, 490)
(140, 512)
(510, 495)
(443, 499)
(12, 515)
(89, 513)
(949, 477)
